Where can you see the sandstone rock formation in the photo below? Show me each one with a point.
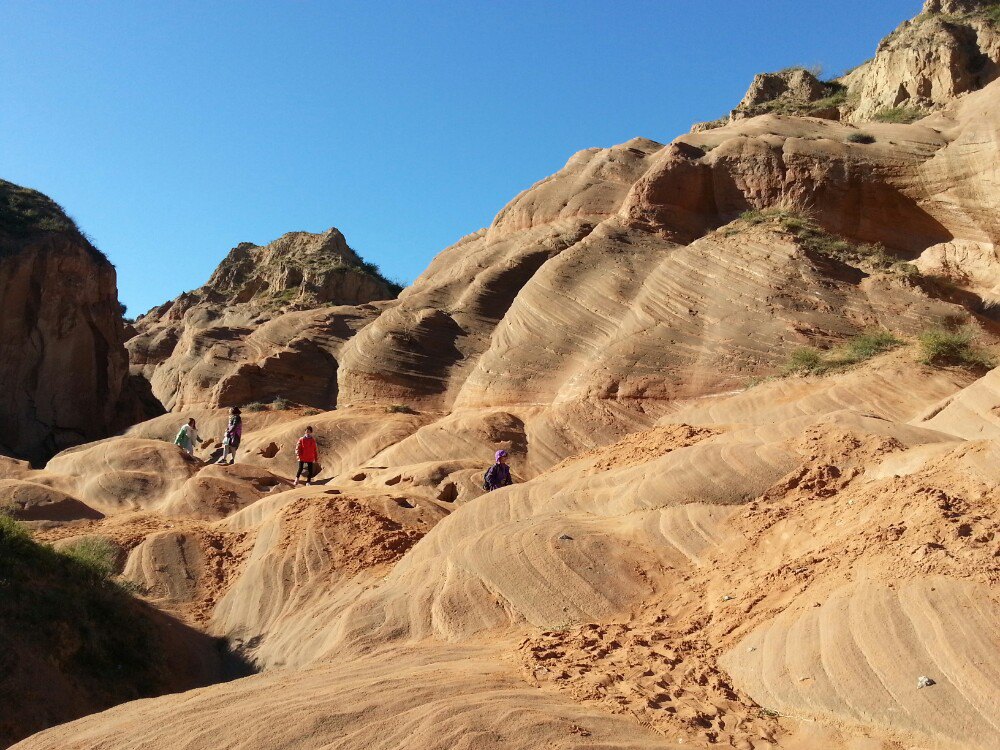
(62, 362)
(706, 545)
(950, 49)
(269, 323)
(792, 91)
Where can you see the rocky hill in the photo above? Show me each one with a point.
(950, 49)
(62, 361)
(747, 383)
(268, 323)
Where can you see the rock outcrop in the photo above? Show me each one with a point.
(950, 49)
(63, 364)
(792, 91)
(269, 323)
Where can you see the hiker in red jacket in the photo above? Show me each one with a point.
(307, 453)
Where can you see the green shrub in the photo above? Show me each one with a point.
(311, 412)
(868, 345)
(804, 361)
(372, 269)
(941, 346)
(755, 216)
(899, 115)
(860, 138)
(11, 532)
(280, 403)
(837, 98)
(400, 409)
(254, 406)
(907, 270)
(94, 553)
(810, 361)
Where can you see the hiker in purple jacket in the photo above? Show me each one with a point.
(498, 475)
(231, 440)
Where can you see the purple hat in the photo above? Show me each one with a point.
(500, 454)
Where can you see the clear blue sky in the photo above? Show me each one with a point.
(171, 131)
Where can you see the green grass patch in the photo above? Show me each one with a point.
(944, 347)
(280, 403)
(899, 115)
(95, 553)
(68, 607)
(254, 406)
(810, 361)
(836, 99)
(868, 345)
(871, 257)
(805, 361)
(864, 138)
(25, 212)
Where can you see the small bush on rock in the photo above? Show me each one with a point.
(899, 115)
(804, 361)
(868, 345)
(860, 138)
(943, 347)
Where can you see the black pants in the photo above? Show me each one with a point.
(308, 466)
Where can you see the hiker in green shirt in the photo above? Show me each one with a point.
(187, 437)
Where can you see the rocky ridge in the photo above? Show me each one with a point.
(268, 323)
(951, 48)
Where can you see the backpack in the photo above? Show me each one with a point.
(486, 479)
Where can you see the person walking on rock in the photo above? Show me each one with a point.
(307, 453)
(234, 433)
(187, 437)
(498, 475)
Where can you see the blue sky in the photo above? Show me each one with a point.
(171, 131)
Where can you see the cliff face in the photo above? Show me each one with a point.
(950, 49)
(268, 323)
(63, 364)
